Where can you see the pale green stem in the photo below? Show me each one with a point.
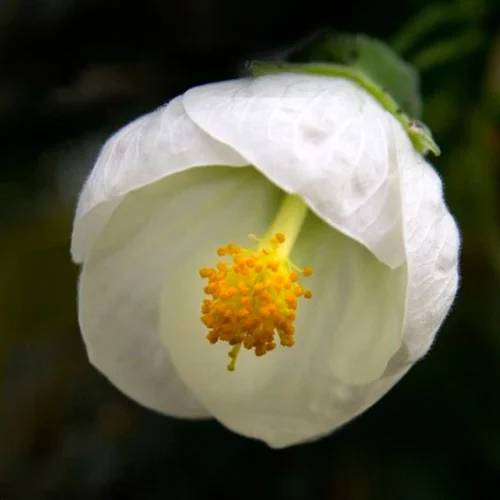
(289, 221)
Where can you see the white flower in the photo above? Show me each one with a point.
(213, 166)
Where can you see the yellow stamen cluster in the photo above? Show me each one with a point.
(252, 298)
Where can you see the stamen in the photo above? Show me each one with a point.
(253, 298)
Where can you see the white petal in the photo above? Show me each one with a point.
(345, 336)
(151, 233)
(155, 145)
(432, 245)
(323, 138)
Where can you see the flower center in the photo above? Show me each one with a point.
(253, 295)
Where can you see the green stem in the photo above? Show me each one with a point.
(289, 221)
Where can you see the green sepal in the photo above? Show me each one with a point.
(374, 58)
(419, 134)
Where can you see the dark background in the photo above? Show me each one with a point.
(71, 72)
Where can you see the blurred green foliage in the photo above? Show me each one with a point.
(65, 432)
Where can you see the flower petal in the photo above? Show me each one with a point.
(155, 145)
(358, 307)
(432, 245)
(323, 138)
(346, 335)
(150, 234)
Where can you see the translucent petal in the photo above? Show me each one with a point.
(149, 236)
(432, 244)
(323, 138)
(346, 335)
(155, 145)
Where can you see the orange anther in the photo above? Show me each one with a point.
(252, 298)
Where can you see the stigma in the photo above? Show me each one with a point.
(252, 297)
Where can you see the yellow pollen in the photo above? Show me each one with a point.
(252, 299)
(307, 271)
